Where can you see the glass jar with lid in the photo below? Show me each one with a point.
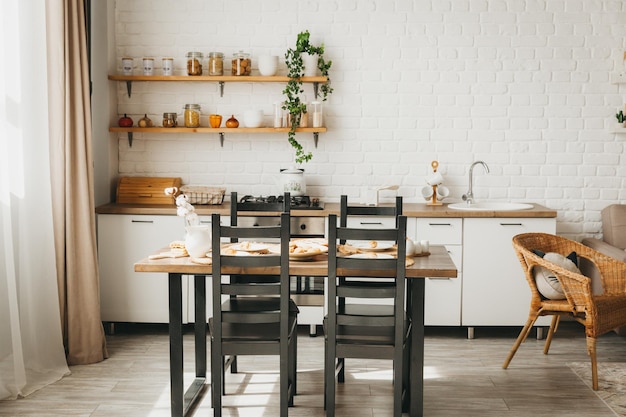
(169, 120)
(241, 64)
(194, 63)
(192, 115)
(316, 114)
(216, 63)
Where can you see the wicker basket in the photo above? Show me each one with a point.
(202, 194)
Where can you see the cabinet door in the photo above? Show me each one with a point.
(442, 303)
(495, 291)
(126, 295)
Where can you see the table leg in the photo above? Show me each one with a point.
(200, 325)
(176, 343)
(181, 401)
(416, 370)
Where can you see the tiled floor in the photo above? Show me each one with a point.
(463, 378)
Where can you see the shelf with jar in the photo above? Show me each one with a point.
(219, 130)
(221, 79)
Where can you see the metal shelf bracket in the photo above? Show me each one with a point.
(222, 139)
(130, 139)
(129, 88)
(316, 137)
(222, 88)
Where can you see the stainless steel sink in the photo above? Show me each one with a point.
(490, 206)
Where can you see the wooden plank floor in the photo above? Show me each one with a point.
(463, 378)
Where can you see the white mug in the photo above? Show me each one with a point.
(442, 192)
(435, 179)
(427, 192)
(425, 246)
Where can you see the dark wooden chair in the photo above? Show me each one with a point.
(347, 210)
(369, 217)
(360, 329)
(257, 321)
(236, 209)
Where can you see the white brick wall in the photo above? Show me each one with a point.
(523, 85)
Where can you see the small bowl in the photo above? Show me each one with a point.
(253, 118)
(215, 120)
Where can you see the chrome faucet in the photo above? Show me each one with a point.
(469, 196)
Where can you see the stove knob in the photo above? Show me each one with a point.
(303, 227)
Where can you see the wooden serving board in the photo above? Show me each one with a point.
(145, 190)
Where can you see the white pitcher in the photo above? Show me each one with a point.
(198, 241)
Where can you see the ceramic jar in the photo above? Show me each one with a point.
(292, 181)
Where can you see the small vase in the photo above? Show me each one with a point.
(310, 64)
(198, 241)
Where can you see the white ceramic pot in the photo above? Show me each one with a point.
(268, 64)
(253, 118)
(292, 181)
(198, 241)
(310, 64)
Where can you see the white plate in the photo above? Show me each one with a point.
(305, 256)
(312, 244)
(371, 256)
(228, 252)
(380, 246)
(250, 247)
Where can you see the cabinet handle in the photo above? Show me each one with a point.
(511, 224)
(439, 278)
(205, 221)
(370, 223)
(440, 224)
(142, 221)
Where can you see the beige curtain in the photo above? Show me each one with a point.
(72, 182)
(31, 344)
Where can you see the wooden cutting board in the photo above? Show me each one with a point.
(145, 190)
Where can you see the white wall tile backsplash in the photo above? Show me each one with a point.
(523, 85)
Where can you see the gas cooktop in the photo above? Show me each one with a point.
(297, 202)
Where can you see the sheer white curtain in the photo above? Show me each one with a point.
(31, 343)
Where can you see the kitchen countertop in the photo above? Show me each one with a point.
(409, 210)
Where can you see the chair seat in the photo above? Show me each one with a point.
(366, 310)
(252, 332)
(377, 335)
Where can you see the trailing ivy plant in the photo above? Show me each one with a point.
(293, 90)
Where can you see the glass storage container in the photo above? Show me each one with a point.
(192, 115)
(194, 63)
(241, 64)
(316, 114)
(169, 120)
(216, 63)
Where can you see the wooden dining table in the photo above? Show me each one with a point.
(438, 264)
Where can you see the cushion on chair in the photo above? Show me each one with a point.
(614, 225)
(547, 283)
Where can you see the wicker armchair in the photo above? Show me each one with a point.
(598, 313)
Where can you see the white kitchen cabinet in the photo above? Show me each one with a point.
(495, 291)
(442, 304)
(126, 295)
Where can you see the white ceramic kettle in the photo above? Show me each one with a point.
(292, 181)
